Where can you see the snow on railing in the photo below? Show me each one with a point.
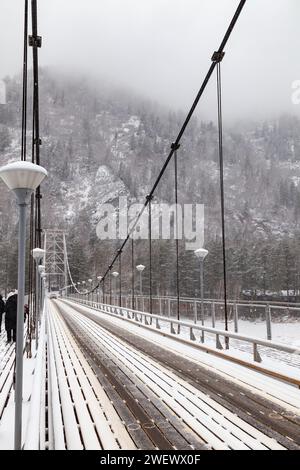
(145, 319)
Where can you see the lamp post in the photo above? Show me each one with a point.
(90, 281)
(37, 254)
(140, 268)
(115, 274)
(201, 254)
(22, 178)
(99, 279)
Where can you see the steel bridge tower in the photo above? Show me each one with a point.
(55, 259)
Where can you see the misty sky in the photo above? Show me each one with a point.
(162, 48)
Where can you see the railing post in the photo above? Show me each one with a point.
(169, 308)
(213, 315)
(256, 355)
(218, 342)
(195, 311)
(236, 317)
(192, 336)
(268, 322)
(202, 321)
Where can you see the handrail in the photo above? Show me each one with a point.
(138, 316)
(193, 305)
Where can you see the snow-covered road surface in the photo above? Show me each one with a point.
(210, 421)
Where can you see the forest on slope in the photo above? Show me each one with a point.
(99, 143)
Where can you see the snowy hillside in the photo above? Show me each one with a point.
(99, 143)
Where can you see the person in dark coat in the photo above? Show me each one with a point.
(26, 312)
(2, 310)
(11, 316)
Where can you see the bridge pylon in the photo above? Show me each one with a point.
(55, 259)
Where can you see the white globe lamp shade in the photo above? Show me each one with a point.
(115, 274)
(99, 278)
(22, 175)
(41, 268)
(140, 267)
(201, 253)
(38, 253)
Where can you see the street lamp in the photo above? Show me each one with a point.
(99, 279)
(140, 268)
(115, 274)
(38, 255)
(201, 254)
(22, 178)
(90, 281)
(83, 292)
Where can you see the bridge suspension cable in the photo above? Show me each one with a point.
(216, 59)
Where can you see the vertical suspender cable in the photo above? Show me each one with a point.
(120, 279)
(36, 43)
(150, 255)
(110, 298)
(176, 232)
(23, 158)
(24, 98)
(220, 129)
(132, 275)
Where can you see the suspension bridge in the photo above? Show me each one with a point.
(110, 364)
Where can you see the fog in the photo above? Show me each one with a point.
(161, 49)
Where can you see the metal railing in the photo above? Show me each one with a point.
(156, 321)
(190, 308)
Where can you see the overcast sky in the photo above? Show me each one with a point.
(162, 48)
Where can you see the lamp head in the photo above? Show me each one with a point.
(115, 274)
(140, 267)
(38, 254)
(201, 253)
(22, 175)
(41, 268)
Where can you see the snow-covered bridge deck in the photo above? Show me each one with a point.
(80, 414)
(7, 357)
(166, 395)
(103, 382)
